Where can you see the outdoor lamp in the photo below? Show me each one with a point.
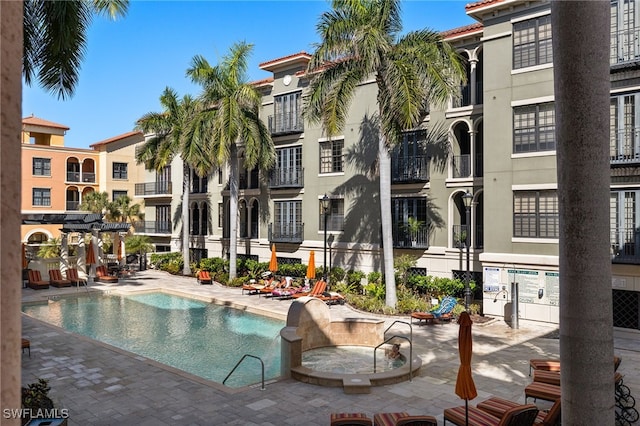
(467, 199)
(324, 202)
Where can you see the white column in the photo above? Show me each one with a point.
(64, 252)
(472, 81)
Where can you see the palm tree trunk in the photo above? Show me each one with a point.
(385, 217)
(186, 175)
(233, 211)
(581, 49)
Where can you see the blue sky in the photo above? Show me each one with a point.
(129, 62)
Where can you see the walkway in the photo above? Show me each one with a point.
(102, 385)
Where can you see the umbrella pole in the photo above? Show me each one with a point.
(466, 412)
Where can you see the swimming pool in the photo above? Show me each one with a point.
(200, 338)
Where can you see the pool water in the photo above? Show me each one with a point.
(200, 338)
(349, 360)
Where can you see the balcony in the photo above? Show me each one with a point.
(287, 178)
(459, 236)
(629, 152)
(152, 227)
(464, 99)
(408, 170)
(625, 46)
(286, 232)
(153, 188)
(72, 205)
(405, 238)
(73, 176)
(283, 124)
(461, 166)
(88, 177)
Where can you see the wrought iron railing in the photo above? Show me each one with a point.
(291, 122)
(403, 237)
(73, 176)
(625, 246)
(286, 232)
(153, 188)
(415, 169)
(287, 178)
(459, 237)
(625, 46)
(88, 177)
(152, 227)
(72, 205)
(629, 152)
(462, 166)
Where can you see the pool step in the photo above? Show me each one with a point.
(356, 384)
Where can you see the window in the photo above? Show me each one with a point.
(624, 222)
(163, 218)
(331, 156)
(335, 215)
(409, 161)
(117, 194)
(220, 214)
(288, 170)
(41, 196)
(42, 166)
(535, 214)
(288, 113)
(534, 128)
(119, 170)
(410, 219)
(287, 220)
(625, 18)
(624, 135)
(532, 42)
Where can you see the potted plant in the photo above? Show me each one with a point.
(37, 403)
(413, 226)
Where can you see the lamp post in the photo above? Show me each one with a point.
(467, 198)
(325, 210)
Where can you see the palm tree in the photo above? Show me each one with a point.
(170, 139)
(122, 210)
(228, 121)
(139, 244)
(95, 202)
(361, 39)
(55, 39)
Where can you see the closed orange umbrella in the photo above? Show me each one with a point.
(119, 251)
(91, 256)
(465, 387)
(273, 263)
(311, 268)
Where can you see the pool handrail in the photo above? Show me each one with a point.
(401, 322)
(239, 362)
(410, 354)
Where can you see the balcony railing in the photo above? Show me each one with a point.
(629, 152)
(73, 176)
(152, 227)
(462, 166)
(286, 123)
(459, 236)
(88, 177)
(286, 232)
(72, 205)
(410, 169)
(625, 46)
(287, 178)
(406, 238)
(464, 98)
(153, 188)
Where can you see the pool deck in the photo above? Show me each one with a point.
(102, 385)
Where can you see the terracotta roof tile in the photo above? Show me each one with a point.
(482, 3)
(36, 121)
(263, 82)
(116, 138)
(299, 55)
(467, 29)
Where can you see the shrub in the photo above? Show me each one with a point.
(346, 288)
(336, 275)
(36, 396)
(409, 301)
(354, 277)
(375, 291)
(292, 270)
(214, 264)
(374, 277)
(238, 282)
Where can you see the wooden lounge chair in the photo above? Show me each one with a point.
(498, 406)
(522, 415)
(26, 344)
(57, 280)
(553, 364)
(72, 275)
(544, 391)
(350, 419)
(103, 276)
(35, 280)
(397, 419)
(203, 277)
(544, 376)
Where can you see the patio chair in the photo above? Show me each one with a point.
(35, 280)
(318, 288)
(26, 344)
(203, 277)
(553, 364)
(522, 415)
(498, 406)
(103, 276)
(57, 280)
(350, 419)
(443, 312)
(398, 419)
(72, 275)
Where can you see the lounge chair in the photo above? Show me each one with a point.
(544, 376)
(498, 406)
(72, 275)
(544, 391)
(350, 419)
(103, 276)
(398, 419)
(57, 280)
(318, 288)
(287, 291)
(35, 280)
(26, 344)
(443, 312)
(203, 277)
(522, 415)
(553, 364)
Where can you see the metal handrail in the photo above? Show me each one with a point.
(410, 354)
(239, 362)
(402, 322)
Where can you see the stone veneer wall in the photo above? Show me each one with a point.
(309, 326)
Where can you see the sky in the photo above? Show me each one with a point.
(129, 62)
